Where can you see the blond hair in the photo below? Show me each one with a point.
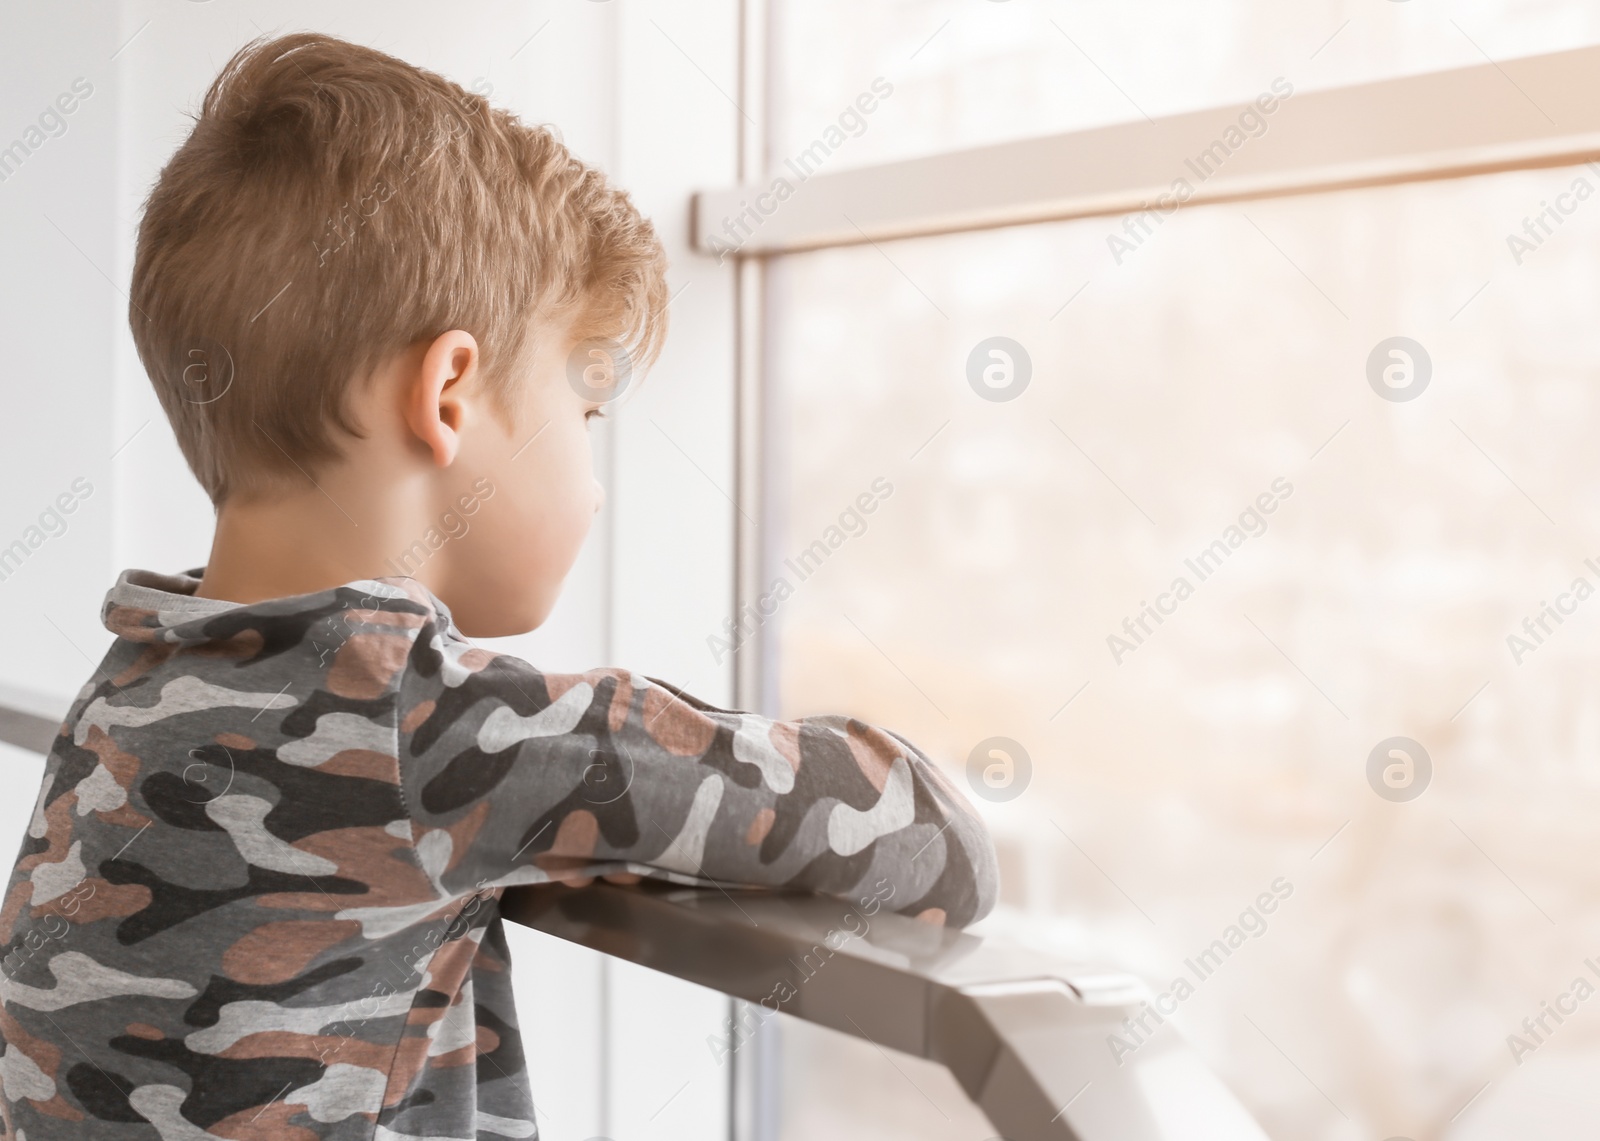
(334, 205)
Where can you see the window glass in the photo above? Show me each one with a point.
(1273, 544)
(964, 73)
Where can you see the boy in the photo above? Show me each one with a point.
(258, 897)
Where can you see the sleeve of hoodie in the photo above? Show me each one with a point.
(517, 776)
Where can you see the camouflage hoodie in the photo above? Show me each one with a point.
(259, 894)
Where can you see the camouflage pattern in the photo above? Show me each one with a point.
(259, 894)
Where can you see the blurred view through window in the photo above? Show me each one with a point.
(1225, 405)
(969, 72)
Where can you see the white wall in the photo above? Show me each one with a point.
(60, 317)
(634, 88)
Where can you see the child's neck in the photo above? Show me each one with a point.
(306, 541)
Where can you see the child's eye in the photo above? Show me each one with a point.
(594, 414)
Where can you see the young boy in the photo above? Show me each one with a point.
(259, 894)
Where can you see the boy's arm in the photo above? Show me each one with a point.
(516, 776)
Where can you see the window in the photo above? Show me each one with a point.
(1225, 405)
(969, 72)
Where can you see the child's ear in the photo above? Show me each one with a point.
(436, 393)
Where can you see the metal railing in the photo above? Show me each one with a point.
(29, 720)
(1027, 1037)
